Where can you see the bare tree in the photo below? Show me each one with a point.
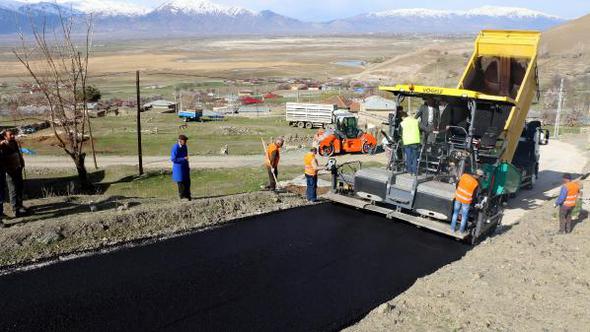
(58, 63)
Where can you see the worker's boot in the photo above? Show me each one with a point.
(20, 212)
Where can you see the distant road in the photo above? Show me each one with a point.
(163, 162)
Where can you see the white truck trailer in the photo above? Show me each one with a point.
(310, 115)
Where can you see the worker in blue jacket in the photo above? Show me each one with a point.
(181, 173)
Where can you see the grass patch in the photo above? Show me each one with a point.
(123, 181)
(117, 135)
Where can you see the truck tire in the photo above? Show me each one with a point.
(301, 124)
(532, 182)
(309, 125)
(533, 179)
(476, 233)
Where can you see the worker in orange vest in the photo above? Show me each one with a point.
(568, 197)
(464, 195)
(311, 174)
(273, 155)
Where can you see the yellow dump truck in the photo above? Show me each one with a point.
(480, 125)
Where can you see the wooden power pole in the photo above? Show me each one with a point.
(559, 107)
(139, 153)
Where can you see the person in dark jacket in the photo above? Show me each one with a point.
(2, 186)
(180, 167)
(14, 165)
(429, 116)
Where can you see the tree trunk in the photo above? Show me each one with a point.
(85, 183)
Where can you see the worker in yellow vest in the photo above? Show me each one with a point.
(568, 197)
(411, 140)
(311, 174)
(273, 155)
(464, 195)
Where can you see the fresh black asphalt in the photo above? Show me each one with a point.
(318, 268)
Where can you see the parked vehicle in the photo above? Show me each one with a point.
(310, 115)
(345, 137)
(191, 115)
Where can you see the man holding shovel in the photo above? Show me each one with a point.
(273, 155)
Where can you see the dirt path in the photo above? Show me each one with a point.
(556, 158)
(163, 162)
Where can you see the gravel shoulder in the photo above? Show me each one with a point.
(76, 225)
(525, 278)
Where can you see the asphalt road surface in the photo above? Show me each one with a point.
(318, 268)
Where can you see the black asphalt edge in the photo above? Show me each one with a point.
(114, 247)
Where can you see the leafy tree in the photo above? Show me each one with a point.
(93, 94)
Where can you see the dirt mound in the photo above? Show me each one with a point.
(237, 131)
(297, 140)
(49, 140)
(528, 279)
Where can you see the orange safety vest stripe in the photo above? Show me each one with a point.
(309, 167)
(269, 151)
(573, 190)
(466, 189)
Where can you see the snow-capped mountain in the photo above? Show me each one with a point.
(10, 5)
(95, 7)
(489, 11)
(512, 12)
(201, 7)
(203, 17)
(445, 21)
(106, 7)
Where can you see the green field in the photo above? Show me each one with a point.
(116, 135)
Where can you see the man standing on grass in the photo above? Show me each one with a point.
(2, 186)
(568, 197)
(181, 173)
(14, 165)
(311, 174)
(273, 155)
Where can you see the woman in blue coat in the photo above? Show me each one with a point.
(181, 173)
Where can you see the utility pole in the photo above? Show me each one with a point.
(139, 154)
(559, 106)
(180, 105)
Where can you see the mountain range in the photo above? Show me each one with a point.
(205, 18)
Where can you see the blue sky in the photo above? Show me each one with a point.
(330, 9)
